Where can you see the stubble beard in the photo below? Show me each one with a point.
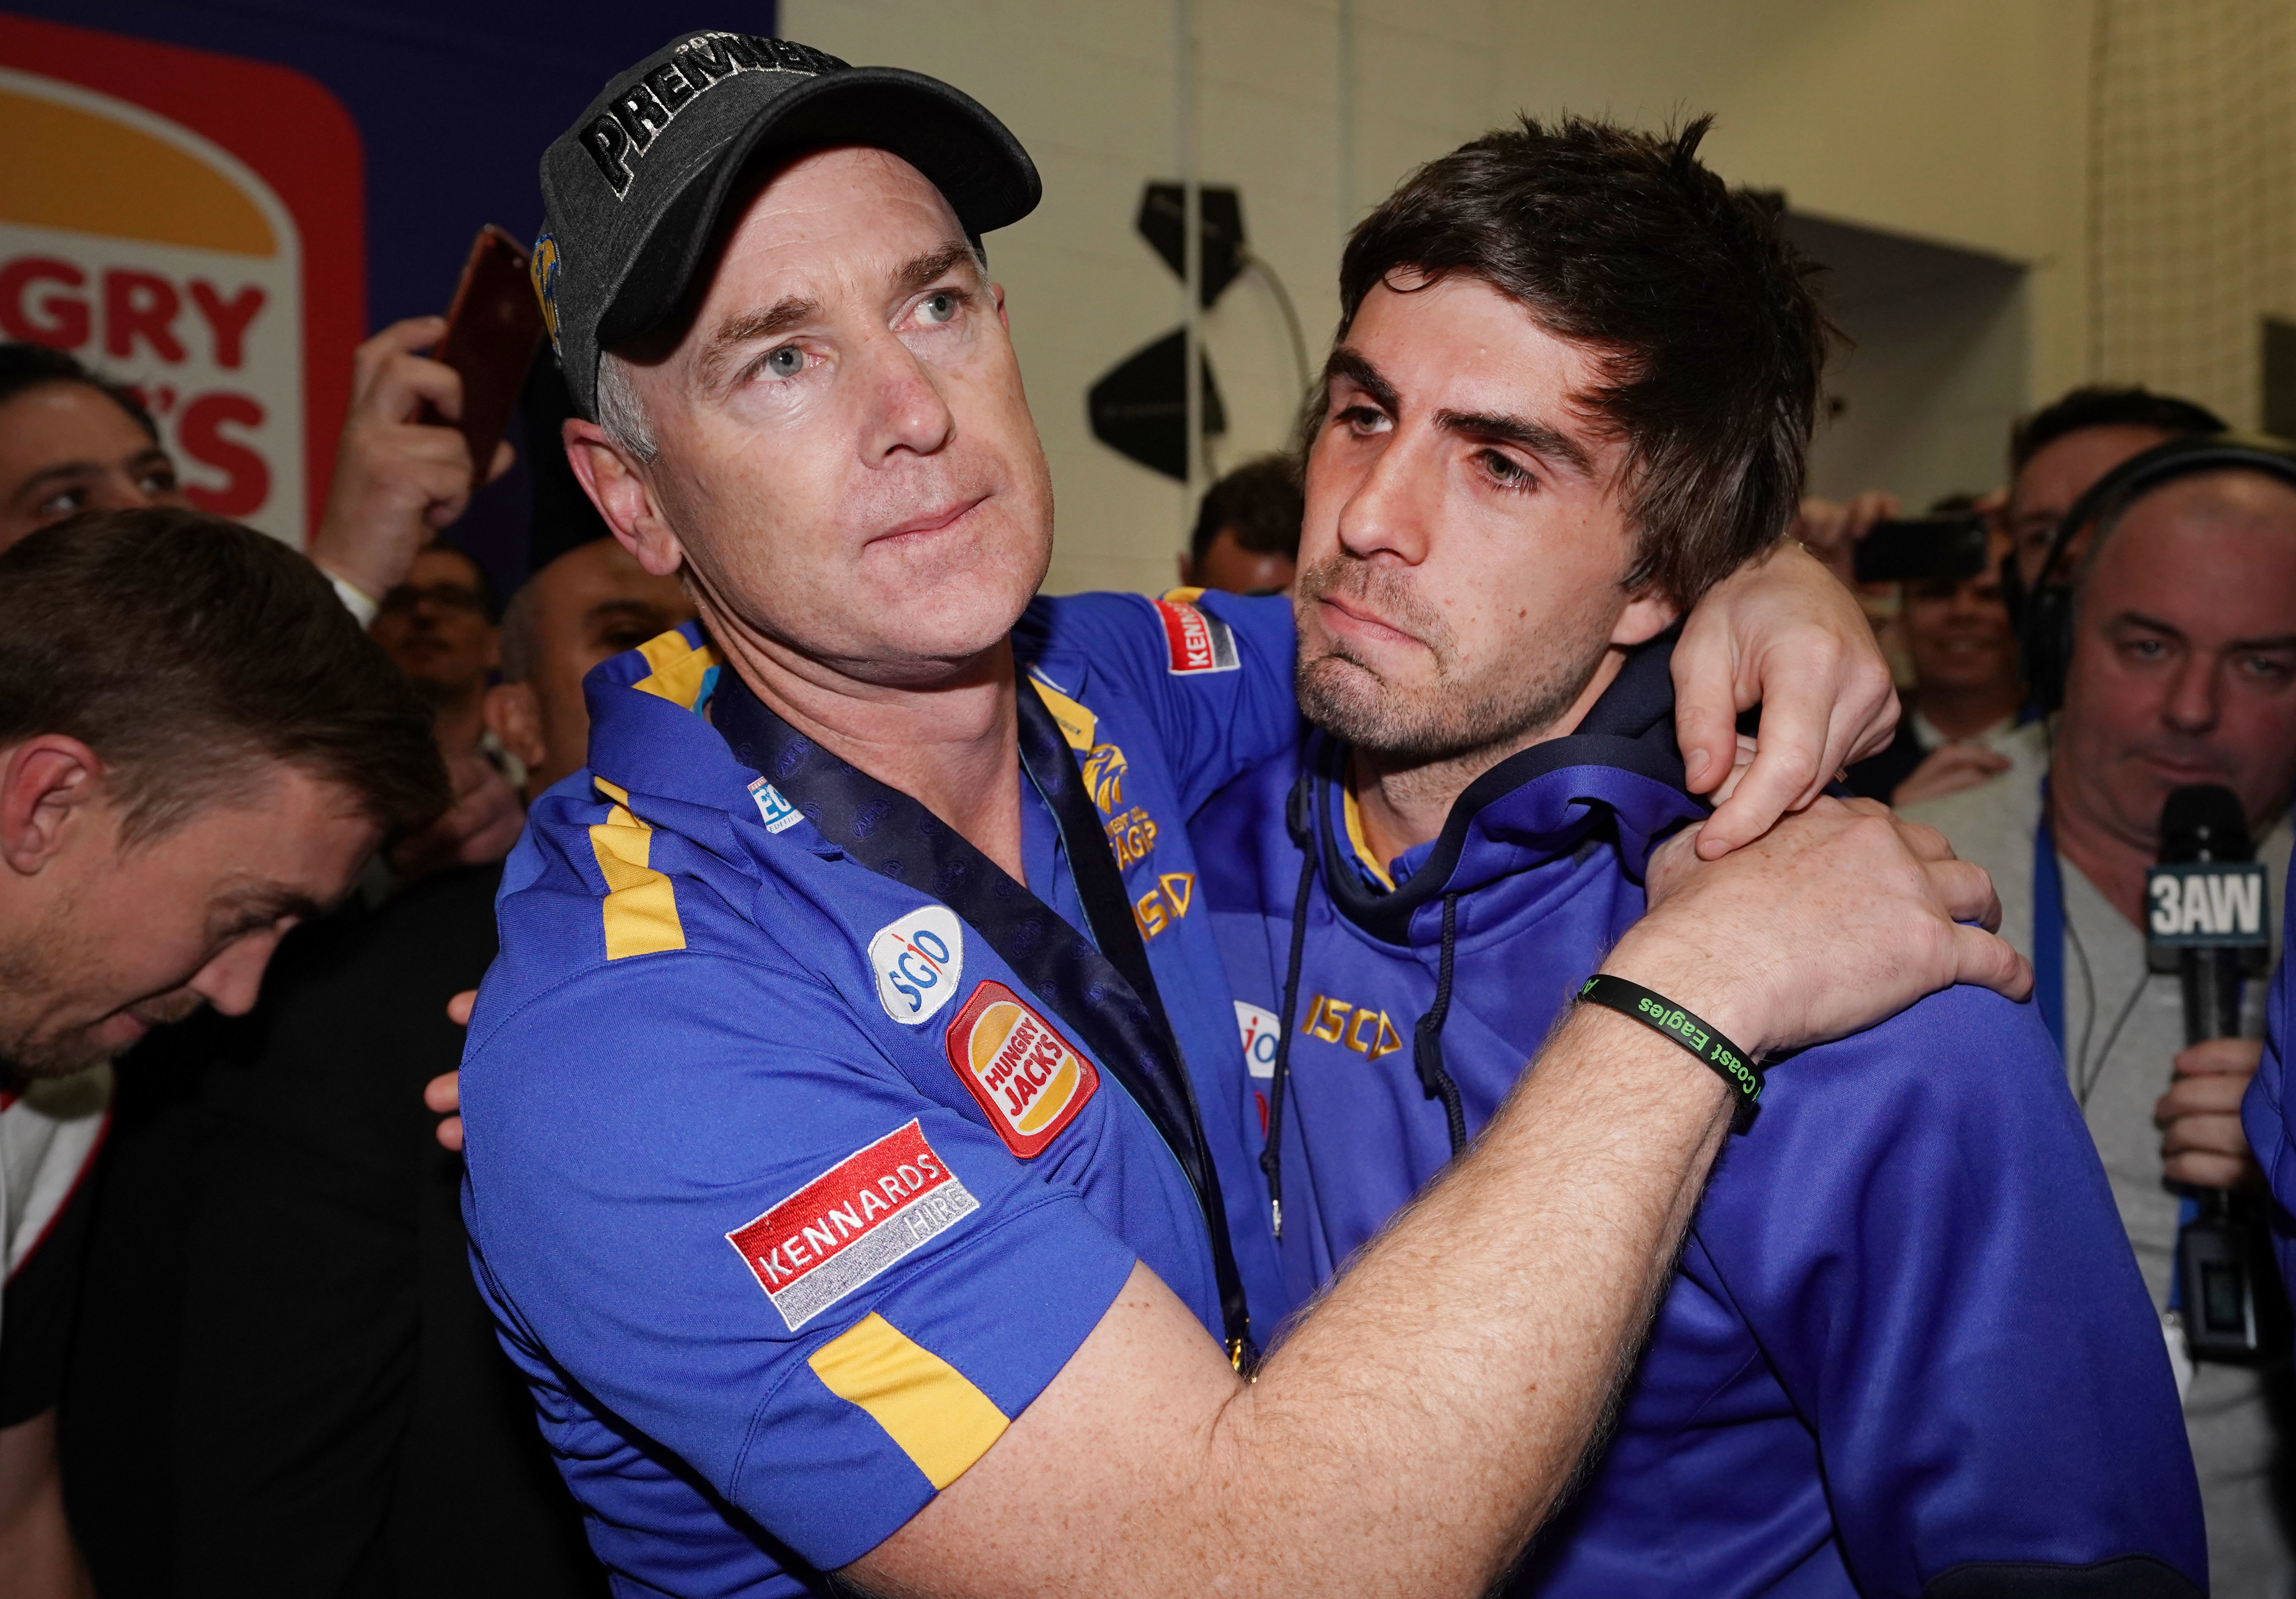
(35, 969)
(1458, 717)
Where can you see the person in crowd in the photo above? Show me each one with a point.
(2060, 452)
(1419, 887)
(70, 441)
(198, 749)
(441, 626)
(806, 1204)
(1962, 648)
(1247, 535)
(2183, 671)
(297, 1391)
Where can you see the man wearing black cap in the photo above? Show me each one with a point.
(841, 1184)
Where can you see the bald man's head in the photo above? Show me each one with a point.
(592, 602)
(2184, 665)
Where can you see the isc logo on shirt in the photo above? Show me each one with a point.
(919, 960)
(1030, 1079)
(852, 1222)
(1199, 641)
(1260, 1030)
(2208, 904)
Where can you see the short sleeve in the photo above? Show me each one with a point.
(745, 1236)
(1213, 673)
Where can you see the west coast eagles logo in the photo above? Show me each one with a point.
(545, 270)
(1030, 1079)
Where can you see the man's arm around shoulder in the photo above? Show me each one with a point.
(1419, 1424)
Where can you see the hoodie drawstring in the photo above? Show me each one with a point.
(1298, 807)
(1427, 1037)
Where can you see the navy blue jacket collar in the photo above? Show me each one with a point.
(1620, 766)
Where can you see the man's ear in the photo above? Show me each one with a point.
(1648, 614)
(50, 785)
(622, 496)
(514, 716)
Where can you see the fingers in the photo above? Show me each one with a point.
(1785, 769)
(2231, 1057)
(458, 1009)
(444, 1093)
(1875, 505)
(402, 337)
(399, 380)
(2217, 1094)
(1983, 960)
(1705, 719)
(2203, 1170)
(504, 458)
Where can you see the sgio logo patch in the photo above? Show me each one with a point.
(1261, 1030)
(919, 961)
(1029, 1078)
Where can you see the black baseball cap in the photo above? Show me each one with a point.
(631, 192)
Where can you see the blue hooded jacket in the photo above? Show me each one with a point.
(1907, 1350)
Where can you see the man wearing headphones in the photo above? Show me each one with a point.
(2160, 638)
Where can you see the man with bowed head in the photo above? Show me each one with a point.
(927, 1282)
(199, 749)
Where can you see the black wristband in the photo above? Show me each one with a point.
(1664, 1017)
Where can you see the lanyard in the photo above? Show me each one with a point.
(2049, 986)
(2048, 928)
(1107, 995)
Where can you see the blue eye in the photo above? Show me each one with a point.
(938, 309)
(786, 362)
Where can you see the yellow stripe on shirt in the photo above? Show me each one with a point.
(1372, 863)
(640, 911)
(940, 1420)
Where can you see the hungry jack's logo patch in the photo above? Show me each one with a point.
(852, 1222)
(1029, 1078)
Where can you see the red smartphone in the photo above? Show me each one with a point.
(493, 329)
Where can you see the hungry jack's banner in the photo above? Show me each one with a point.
(193, 223)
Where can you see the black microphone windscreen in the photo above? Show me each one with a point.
(2204, 822)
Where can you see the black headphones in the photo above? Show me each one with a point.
(2044, 612)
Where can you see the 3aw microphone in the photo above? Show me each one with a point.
(2205, 913)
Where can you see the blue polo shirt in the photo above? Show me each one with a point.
(1907, 1350)
(786, 1191)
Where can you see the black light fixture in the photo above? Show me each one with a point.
(1140, 408)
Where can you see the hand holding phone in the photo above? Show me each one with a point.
(1923, 547)
(494, 327)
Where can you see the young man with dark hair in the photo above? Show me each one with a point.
(836, 1174)
(198, 749)
(1246, 534)
(71, 441)
(1573, 384)
(2059, 450)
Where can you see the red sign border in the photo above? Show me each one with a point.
(242, 105)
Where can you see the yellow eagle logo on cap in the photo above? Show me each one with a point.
(545, 270)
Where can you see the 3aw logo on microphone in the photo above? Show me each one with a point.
(2211, 905)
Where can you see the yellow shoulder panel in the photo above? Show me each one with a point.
(678, 669)
(942, 1422)
(640, 909)
(1184, 596)
(1077, 724)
